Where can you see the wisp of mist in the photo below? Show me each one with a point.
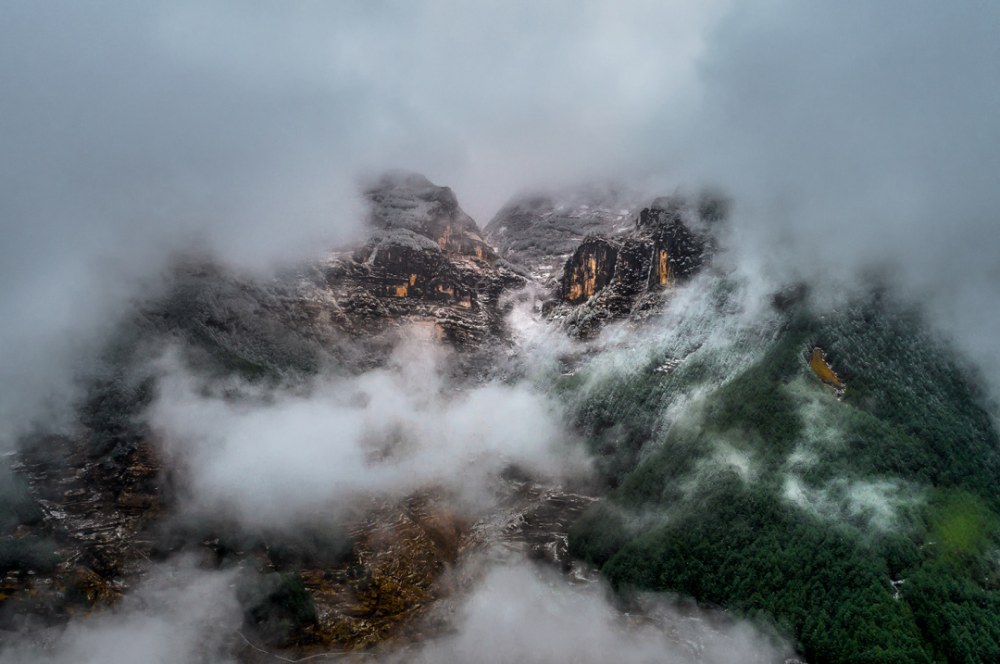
(270, 455)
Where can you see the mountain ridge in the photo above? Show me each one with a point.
(829, 476)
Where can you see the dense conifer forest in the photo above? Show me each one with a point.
(862, 525)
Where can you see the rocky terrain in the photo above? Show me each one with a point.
(541, 231)
(601, 255)
(425, 263)
(825, 477)
(107, 495)
(631, 273)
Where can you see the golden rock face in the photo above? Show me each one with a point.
(584, 280)
(445, 240)
(465, 243)
(823, 371)
(402, 290)
(590, 270)
(633, 271)
(664, 269)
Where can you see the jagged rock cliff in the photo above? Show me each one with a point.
(425, 262)
(410, 203)
(601, 254)
(589, 269)
(540, 231)
(627, 274)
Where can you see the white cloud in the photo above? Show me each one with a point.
(518, 615)
(180, 614)
(390, 431)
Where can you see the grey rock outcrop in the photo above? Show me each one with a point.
(631, 274)
(425, 263)
(541, 231)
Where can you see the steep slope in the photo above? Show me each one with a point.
(540, 231)
(425, 263)
(632, 273)
(93, 511)
(866, 528)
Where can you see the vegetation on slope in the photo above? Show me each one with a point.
(865, 529)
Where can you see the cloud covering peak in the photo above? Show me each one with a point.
(848, 135)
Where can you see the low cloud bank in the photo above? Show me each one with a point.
(269, 455)
(521, 615)
(851, 137)
(181, 614)
(517, 613)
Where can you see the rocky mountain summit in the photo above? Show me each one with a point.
(812, 467)
(601, 254)
(540, 231)
(408, 204)
(424, 262)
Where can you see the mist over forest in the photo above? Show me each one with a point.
(499, 332)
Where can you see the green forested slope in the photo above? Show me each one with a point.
(742, 480)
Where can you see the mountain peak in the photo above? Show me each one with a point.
(410, 202)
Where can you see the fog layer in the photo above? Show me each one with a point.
(271, 456)
(852, 138)
(180, 614)
(516, 613)
(516, 616)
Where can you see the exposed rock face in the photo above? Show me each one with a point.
(627, 274)
(410, 202)
(823, 370)
(424, 263)
(601, 254)
(589, 269)
(541, 231)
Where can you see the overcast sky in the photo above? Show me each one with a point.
(850, 134)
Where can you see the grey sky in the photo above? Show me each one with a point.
(850, 133)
